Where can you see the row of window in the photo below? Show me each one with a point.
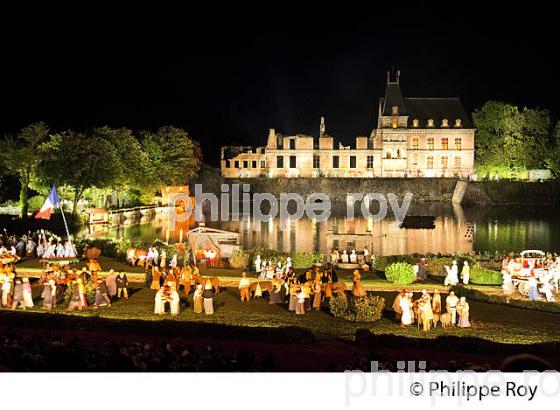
(317, 161)
(444, 143)
(444, 162)
(336, 162)
(245, 164)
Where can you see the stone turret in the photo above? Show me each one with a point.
(272, 143)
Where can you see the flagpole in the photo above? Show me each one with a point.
(64, 219)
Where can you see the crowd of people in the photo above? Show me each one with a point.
(426, 311)
(54, 281)
(39, 244)
(54, 353)
(301, 292)
(537, 275)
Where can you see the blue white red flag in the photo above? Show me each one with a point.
(50, 203)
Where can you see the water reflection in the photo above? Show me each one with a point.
(494, 228)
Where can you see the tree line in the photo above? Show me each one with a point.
(509, 140)
(113, 160)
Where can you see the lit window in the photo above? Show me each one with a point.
(415, 160)
(430, 143)
(415, 123)
(445, 123)
(457, 162)
(430, 123)
(458, 144)
(458, 123)
(444, 162)
(415, 143)
(444, 143)
(430, 163)
(395, 123)
(395, 110)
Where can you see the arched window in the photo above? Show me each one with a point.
(389, 155)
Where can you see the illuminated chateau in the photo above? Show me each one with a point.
(414, 137)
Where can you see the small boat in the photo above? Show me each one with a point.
(418, 222)
(205, 241)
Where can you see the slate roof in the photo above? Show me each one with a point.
(424, 109)
(437, 109)
(393, 96)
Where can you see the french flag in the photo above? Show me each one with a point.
(51, 202)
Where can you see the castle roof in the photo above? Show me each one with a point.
(423, 109)
(393, 97)
(437, 109)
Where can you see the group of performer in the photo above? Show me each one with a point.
(350, 256)
(54, 281)
(542, 276)
(427, 310)
(39, 244)
(300, 292)
(452, 277)
(167, 282)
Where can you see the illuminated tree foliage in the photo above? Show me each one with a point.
(79, 161)
(553, 157)
(21, 156)
(511, 140)
(173, 157)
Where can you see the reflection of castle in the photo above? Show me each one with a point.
(414, 137)
(307, 235)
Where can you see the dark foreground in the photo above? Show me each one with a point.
(257, 336)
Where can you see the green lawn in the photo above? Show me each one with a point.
(496, 323)
(105, 262)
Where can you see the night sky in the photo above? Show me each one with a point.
(227, 75)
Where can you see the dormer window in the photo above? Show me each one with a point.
(445, 123)
(458, 123)
(430, 123)
(395, 110)
(415, 123)
(395, 123)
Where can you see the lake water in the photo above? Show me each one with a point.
(457, 229)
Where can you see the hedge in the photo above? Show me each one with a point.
(400, 273)
(482, 276)
(364, 309)
(381, 262)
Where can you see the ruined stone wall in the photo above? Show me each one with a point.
(423, 189)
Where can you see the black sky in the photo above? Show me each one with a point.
(227, 75)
